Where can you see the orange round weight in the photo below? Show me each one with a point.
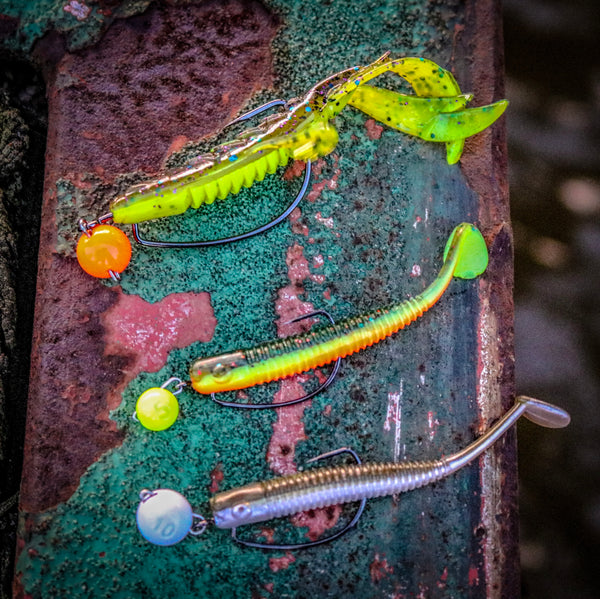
(106, 248)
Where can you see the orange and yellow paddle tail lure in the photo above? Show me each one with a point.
(465, 257)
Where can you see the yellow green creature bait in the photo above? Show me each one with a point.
(301, 131)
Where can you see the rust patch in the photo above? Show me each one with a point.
(379, 568)
(216, 478)
(318, 187)
(153, 81)
(374, 130)
(169, 74)
(283, 562)
(149, 332)
(67, 422)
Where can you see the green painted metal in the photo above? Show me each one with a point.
(373, 231)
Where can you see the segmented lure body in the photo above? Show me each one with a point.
(302, 131)
(466, 257)
(322, 487)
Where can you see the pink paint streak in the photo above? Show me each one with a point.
(294, 170)
(379, 568)
(374, 130)
(148, 332)
(319, 186)
(442, 582)
(318, 521)
(298, 227)
(216, 478)
(282, 563)
(473, 576)
(288, 429)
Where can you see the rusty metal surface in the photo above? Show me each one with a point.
(379, 206)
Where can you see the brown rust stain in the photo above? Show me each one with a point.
(67, 422)
(170, 74)
(484, 165)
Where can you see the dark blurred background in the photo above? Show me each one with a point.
(553, 83)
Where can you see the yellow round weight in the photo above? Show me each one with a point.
(157, 409)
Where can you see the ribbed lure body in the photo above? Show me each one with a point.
(322, 487)
(466, 257)
(210, 177)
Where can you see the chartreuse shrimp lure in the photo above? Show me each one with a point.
(164, 516)
(465, 257)
(301, 130)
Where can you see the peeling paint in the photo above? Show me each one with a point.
(379, 568)
(393, 419)
(488, 396)
(80, 10)
(148, 332)
(432, 425)
(332, 183)
(281, 563)
(374, 129)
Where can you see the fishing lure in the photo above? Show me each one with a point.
(301, 130)
(431, 119)
(165, 517)
(465, 257)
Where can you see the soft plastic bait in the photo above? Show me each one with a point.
(302, 130)
(432, 119)
(164, 517)
(465, 257)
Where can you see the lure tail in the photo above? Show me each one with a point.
(467, 249)
(543, 413)
(404, 112)
(538, 411)
(443, 119)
